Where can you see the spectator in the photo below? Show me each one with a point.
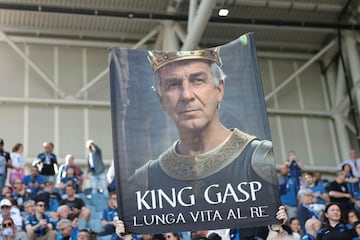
(333, 227)
(172, 236)
(294, 224)
(18, 163)
(224, 234)
(318, 191)
(65, 230)
(200, 233)
(47, 162)
(211, 236)
(51, 198)
(352, 182)
(7, 193)
(29, 207)
(20, 193)
(63, 212)
(9, 231)
(7, 210)
(320, 197)
(324, 183)
(288, 190)
(147, 236)
(38, 226)
(109, 216)
(77, 206)
(72, 179)
(339, 193)
(96, 168)
(34, 182)
(83, 234)
(356, 225)
(5, 163)
(295, 167)
(352, 216)
(69, 161)
(311, 227)
(93, 235)
(354, 162)
(304, 212)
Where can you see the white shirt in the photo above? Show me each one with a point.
(17, 160)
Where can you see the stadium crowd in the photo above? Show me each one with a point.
(50, 202)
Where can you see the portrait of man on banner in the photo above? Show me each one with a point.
(195, 151)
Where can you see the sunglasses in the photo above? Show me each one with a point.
(9, 224)
(5, 206)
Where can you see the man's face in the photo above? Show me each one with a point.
(83, 236)
(5, 191)
(113, 201)
(48, 148)
(64, 213)
(306, 198)
(189, 94)
(17, 184)
(70, 191)
(292, 155)
(40, 207)
(30, 209)
(49, 186)
(34, 171)
(309, 180)
(5, 209)
(341, 177)
(147, 236)
(71, 160)
(65, 230)
(284, 170)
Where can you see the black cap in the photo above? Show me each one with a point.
(1, 141)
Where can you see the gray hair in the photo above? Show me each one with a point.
(65, 222)
(29, 202)
(303, 192)
(215, 70)
(62, 207)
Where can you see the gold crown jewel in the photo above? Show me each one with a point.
(159, 58)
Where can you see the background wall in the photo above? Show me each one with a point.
(33, 112)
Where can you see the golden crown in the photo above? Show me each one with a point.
(158, 58)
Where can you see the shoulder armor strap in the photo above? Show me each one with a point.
(262, 160)
(141, 176)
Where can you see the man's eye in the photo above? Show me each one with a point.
(198, 80)
(173, 85)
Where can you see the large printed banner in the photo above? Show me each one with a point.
(192, 147)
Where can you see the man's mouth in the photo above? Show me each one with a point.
(187, 111)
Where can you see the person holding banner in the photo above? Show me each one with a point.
(210, 169)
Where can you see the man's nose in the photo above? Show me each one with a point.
(187, 93)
